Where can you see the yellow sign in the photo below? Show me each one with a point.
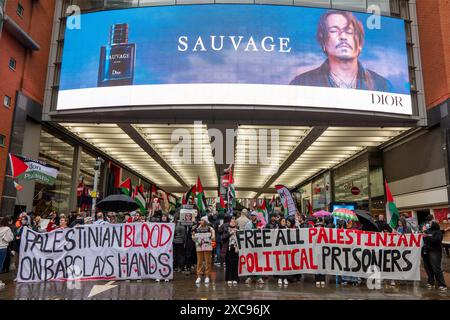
(94, 194)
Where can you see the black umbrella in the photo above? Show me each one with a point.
(117, 203)
(366, 220)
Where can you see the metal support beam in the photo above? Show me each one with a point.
(140, 141)
(183, 190)
(309, 139)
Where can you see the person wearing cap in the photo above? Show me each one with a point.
(203, 255)
(254, 224)
(242, 220)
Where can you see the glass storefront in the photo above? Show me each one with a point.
(351, 184)
(58, 153)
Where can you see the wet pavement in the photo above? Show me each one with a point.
(183, 287)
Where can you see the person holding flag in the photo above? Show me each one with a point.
(231, 193)
(201, 199)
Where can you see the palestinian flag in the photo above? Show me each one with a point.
(285, 207)
(139, 198)
(32, 170)
(231, 194)
(18, 186)
(201, 200)
(125, 187)
(271, 205)
(262, 208)
(392, 214)
(191, 193)
(221, 206)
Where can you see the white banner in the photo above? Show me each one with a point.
(97, 252)
(330, 251)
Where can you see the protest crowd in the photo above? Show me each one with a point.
(220, 230)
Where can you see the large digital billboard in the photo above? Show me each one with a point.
(262, 55)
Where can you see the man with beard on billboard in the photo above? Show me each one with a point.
(341, 36)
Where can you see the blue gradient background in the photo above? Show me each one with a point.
(155, 31)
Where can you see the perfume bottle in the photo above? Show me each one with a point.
(117, 59)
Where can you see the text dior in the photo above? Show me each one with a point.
(217, 43)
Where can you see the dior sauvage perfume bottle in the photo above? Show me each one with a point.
(117, 59)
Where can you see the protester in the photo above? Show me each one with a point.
(18, 236)
(223, 242)
(282, 280)
(320, 278)
(10, 248)
(63, 222)
(403, 226)
(6, 237)
(179, 245)
(79, 220)
(54, 221)
(348, 279)
(432, 256)
(229, 241)
(37, 224)
(100, 219)
(203, 256)
(382, 224)
(254, 224)
(273, 223)
(242, 220)
(165, 218)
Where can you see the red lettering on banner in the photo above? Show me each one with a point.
(304, 260)
(267, 267)
(415, 240)
(359, 234)
(257, 267)
(340, 236)
(145, 240)
(277, 256)
(312, 233)
(402, 241)
(294, 266)
(322, 237)
(391, 242)
(241, 262)
(311, 259)
(370, 242)
(348, 235)
(381, 238)
(128, 242)
(163, 242)
(250, 263)
(155, 228)
(287, 253)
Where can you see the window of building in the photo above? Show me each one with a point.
(12, 63)
(2, 140)
(20, 10)
(7, 101)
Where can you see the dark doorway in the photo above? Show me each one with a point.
(421, 216)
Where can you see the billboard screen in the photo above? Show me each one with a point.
(236, 55)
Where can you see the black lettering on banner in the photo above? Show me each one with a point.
(240, 239)
(28, 239)
(93, 236)
(117, 236)
(36, 268)
(26, 261)
(70, 242)
(326, 251)
(408, 262)
(48, 264)
(248, 239)
(336, 252)
(366, 259)
(111, 266)
(166, 266)
(57, 240)
(346, 253)
(355, 252)
(153, 264)
(267, 238)
(396, 255)
(386, 260)
(280, 238)
(258, 238)
(377, 258)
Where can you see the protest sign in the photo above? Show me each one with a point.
(344, 252)
(97, 252)
(187, 216)
(203, 241)
(444, 226)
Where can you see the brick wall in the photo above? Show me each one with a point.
(434, 32)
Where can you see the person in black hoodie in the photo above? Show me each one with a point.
(230, 246)
(432, 256)
(179, 246)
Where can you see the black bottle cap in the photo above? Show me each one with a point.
(119, 33)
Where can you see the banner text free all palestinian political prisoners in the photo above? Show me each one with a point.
(344, 252)
(98, 252)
